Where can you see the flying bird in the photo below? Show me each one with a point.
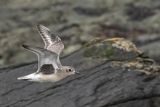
(50, 69)
(48, 58)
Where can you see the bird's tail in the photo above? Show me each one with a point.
(23, 78)
(29, 77)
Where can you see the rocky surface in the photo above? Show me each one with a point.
(77, 21)
(101, 83)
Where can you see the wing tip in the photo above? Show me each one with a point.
(57, 38)
(25, 46)
(41, 27)
(38, 25)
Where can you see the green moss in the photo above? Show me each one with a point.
(99, 50)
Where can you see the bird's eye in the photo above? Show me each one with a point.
(69, 70)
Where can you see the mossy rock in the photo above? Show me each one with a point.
(111, 49)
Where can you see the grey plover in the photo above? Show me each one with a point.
(51, 69)
(47, 57)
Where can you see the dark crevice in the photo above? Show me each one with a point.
(131, 99)
(15, 89)
(10, 68)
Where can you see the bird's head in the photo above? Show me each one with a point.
(69, 70)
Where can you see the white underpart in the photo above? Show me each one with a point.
(39, 77)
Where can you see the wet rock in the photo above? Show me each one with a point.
(152, 50)
(99, 84)
(112, 49)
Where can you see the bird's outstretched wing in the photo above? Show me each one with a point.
(45, 57)
(51, 40)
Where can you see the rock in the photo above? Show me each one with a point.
(152, 49)
(101, 83)
(112, 49)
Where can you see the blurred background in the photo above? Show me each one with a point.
(78, 21)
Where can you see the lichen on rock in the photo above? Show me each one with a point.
(122, 53)
(111, 49)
